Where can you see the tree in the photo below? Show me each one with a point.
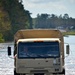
(42, 21)
(66, 16)
(16, 17)
(53, 21)
(4, 22)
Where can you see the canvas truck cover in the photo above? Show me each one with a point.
(38, 33)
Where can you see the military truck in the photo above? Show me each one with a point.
(38, 52)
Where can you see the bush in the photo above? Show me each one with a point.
(1, 38)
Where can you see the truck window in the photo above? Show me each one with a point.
(38, 49)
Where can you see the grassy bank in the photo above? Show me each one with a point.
(69, 33)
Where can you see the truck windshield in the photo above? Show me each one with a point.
(38, 49)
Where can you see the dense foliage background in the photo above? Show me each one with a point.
(14, 17)
(53, 21)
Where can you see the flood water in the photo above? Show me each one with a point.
(70, 60)
(7, 64)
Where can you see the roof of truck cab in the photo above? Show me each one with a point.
(38, 40)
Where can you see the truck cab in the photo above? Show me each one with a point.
(35, 55)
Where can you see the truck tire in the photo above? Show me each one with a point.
(15, 73)
(61, 73)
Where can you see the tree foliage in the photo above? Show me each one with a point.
(54, 21)
(13, 17)
(1, 38)
(4, 22)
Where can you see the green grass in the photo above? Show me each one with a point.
(69, 33)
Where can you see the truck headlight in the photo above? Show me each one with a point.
(55, 62)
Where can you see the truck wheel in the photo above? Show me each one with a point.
(15, 73)
(63, 72)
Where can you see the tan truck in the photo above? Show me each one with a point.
(39, 52)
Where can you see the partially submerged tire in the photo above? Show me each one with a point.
(15, 73)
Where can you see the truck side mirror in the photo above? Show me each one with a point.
(67, 49)
(9, 51)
